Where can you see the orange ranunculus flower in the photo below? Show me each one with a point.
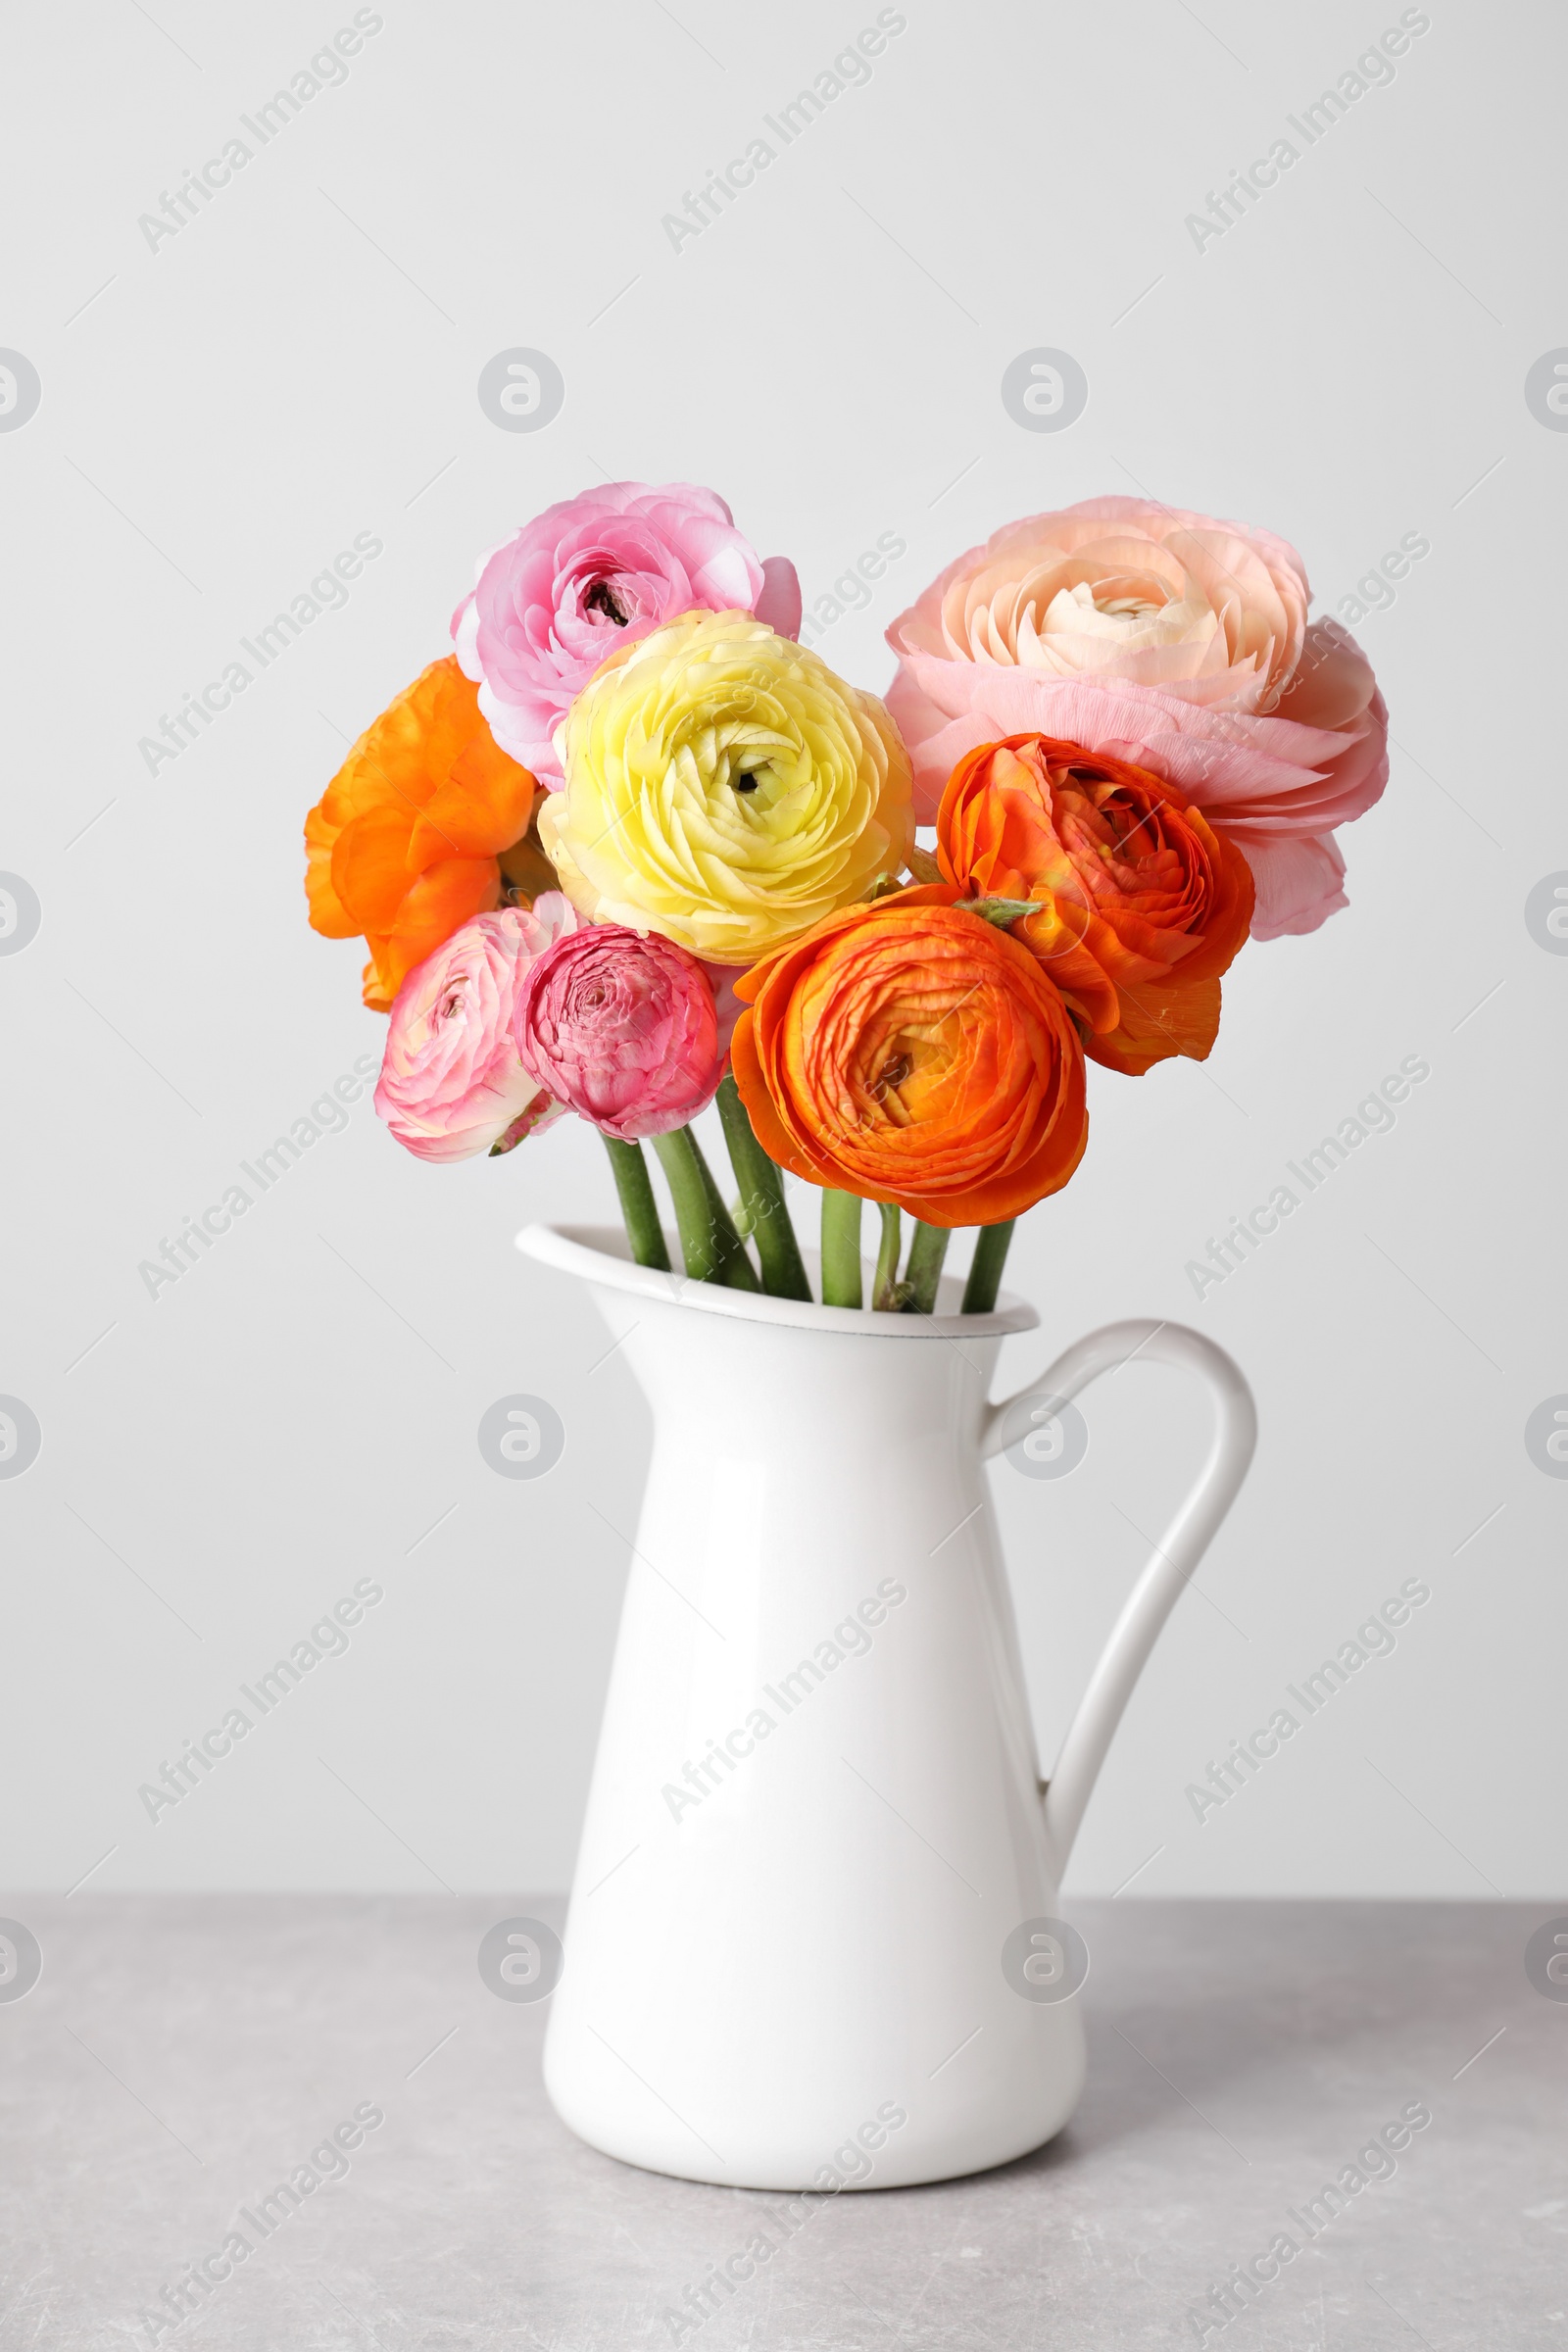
(1142, 906)
(404, 843)
(911, 1052)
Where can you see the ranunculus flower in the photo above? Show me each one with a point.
(911, 1052)
(723, 787)
(1170, 639)
(404, 844)
(611, 564)
(1142, 904)
(452, 1082)
(622, 1029)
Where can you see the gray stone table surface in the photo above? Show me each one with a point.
(180, 2056)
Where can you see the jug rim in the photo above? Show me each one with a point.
(601, 1253)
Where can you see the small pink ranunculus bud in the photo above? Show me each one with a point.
(622, 1029)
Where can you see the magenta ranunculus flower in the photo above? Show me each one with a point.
(622, 1029)
(452, 1084)
(593, 572)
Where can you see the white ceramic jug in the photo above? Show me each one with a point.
(812, 1941)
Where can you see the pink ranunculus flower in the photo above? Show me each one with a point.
(721, 979)
(452, 1084)
(622, 1028)
(1167, 638)
(589, 574)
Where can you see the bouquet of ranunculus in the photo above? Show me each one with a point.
(632, 847)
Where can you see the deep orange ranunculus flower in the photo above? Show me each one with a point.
(1142, 906)
(911, 1052)
(404, 843)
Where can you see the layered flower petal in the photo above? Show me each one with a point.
(1142, 906)
(1300, 883)
(609, 566)
(622, 1030)
(724, 788)
(1166, 638)
(404, 844)
(452, 1082)
(1209, 610)
(911, 1052)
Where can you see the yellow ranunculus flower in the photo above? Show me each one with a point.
(723, 787)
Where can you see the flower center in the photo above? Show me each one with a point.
(1114, 847)
(747, 779)
(602, 598)
(1128, 606)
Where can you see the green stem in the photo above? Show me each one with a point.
(710, 1243)
(841, 1249)
(985, 1274)
(762, 1198)
(924, 1271)
(693, 1221)
(638, 1206)
(887, 1291)
(735, 1268)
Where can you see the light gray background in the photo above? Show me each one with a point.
(299, 365)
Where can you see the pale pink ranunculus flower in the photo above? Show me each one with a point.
(1171, 639)
(622, 1028)
(593, 572)
(452, 1084)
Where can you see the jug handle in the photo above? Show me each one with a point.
(1066, 1793)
